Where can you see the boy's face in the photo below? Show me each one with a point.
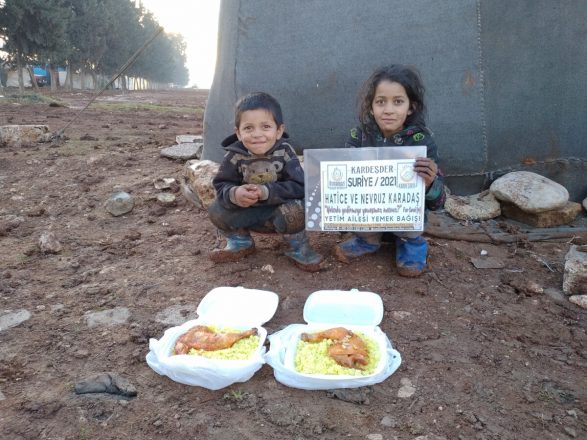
(258, 131)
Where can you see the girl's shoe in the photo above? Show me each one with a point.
(237, 247)
(354, 247)
(410, 256)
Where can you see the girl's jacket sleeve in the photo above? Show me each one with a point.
(435, 196)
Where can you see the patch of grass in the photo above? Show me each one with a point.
(29, 98)
(130, 106)
(234, 395)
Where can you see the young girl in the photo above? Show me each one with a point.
(391, 113)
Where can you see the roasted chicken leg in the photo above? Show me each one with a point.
(201, 337)
(348, 349)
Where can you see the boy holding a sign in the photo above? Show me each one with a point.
(391, 114)
(260, 186)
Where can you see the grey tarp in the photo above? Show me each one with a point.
(506, 81)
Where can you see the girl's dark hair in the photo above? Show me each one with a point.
(409, 78)
(255, 101)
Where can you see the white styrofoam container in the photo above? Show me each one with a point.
(356, 310)
(234, 307)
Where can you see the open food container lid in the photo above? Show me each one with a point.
(339, 307)
(238, 306)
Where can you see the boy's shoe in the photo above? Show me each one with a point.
(238, 246)
(354, 247)
(410, 256)
(302, 253)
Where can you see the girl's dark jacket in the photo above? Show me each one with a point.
(410, 136)
(278, 172)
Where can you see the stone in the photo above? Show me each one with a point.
(177, 315)
(198, 176)
(108, 318)
(406, 389)
(388, 422)
(166, 199)
(585, 203)
(575, 273)
(189, 138)
(23, 135)
(12, 319)
(106, 383)
(48, 243)
(353, 395)
(119, 203)
(482, 206)
(530, 192)
(580, 300)
(164, 183)
(185, 151)
(545, 219)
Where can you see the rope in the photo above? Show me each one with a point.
(123, 69)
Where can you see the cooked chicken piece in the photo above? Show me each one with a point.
(351, 352)
(201, 337)
(335, 334)
(348, 349)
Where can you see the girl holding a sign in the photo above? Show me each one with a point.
(391, 114)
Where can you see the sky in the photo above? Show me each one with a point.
(197, 21)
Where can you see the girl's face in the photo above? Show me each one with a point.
(258, 131)
(390, 107)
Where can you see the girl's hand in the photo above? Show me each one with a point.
(426, 169)
(246, 195)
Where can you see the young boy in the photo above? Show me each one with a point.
(260, 185)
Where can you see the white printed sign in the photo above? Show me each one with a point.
(371, 195)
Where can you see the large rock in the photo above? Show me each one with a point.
(19, 135)
(575, 275)
(13, 318)
(184, 151)
(530, 192)
(119, 203)
(545, 219)
(197, 182)
(482, 206)
(585, 204)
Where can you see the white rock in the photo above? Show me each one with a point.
(188, 138)
(183, 151)
(49, 244)
(19, 135)
(119, 203)
(374, 437)
(580, 300)
(115, 316)
(482, 206)
(406, 389)
(12, 319)
(198, 176)
(177, 315)
(575, 273)
(530, 192)
(585, 204)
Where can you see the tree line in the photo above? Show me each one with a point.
(94, 37)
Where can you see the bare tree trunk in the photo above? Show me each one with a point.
(69, 77)
(19, 70)
(95, 80)
(82, 78)
(54, 77)
(32, 76)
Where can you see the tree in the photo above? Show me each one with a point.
(34, 30)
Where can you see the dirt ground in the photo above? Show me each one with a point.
(485, 354)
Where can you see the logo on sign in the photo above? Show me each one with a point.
(406, 175)
(336, 176)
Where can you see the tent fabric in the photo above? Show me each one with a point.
(505, 80)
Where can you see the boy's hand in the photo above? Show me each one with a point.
(246, 195)
(426, 169)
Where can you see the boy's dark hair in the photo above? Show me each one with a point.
(255, 101)
(409, 78)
